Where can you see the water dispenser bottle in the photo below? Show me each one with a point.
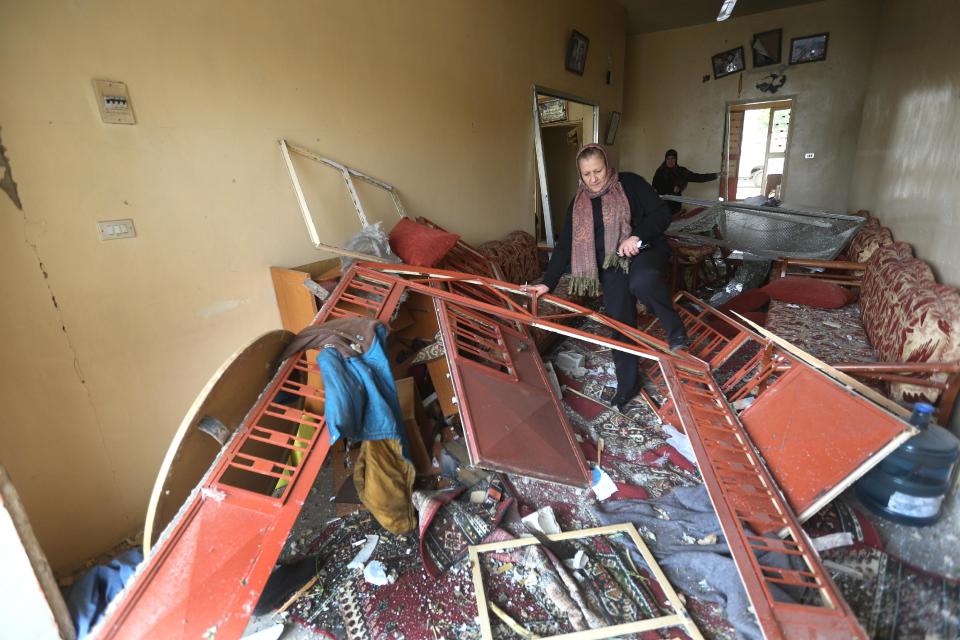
(911, 483)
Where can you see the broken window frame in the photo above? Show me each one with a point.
(680, 618)
(348, 174)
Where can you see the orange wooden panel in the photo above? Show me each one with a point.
(817, 436)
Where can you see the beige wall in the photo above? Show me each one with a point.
(666, 104)
(908, 158)
(432, 96)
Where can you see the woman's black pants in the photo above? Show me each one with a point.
(647, 283)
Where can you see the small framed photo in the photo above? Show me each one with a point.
(728, 62)
(766, 48)
(554, 110)
(808, 49)
(613, 125)
(577, 52)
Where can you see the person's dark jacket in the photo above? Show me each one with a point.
(649, 218)
(666, 179)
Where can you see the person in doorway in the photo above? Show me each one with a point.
(671, 179)
(613, 242)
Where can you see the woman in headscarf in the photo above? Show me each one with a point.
(671, 179)
(613, 242)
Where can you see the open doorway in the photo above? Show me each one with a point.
(562, 124)
(755, 150)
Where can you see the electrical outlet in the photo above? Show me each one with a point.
(809, 156)
(116, 229)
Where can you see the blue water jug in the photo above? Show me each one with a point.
(911, 483)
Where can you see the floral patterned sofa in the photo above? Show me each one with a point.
(905, 323)
(516, 255)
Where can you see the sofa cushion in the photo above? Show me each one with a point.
(749, 300)
(516, 255)
(870, 237)
(832, 335)
(810, 292)
(419, 244)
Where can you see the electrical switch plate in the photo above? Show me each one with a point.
(113, 100)
(809, 156)
(116, 229)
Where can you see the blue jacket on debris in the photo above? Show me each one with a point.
(361, 396)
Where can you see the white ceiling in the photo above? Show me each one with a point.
(644, 16)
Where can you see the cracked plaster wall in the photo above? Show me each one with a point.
(908, 156)
(107, 343)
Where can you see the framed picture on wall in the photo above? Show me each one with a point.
(613, 125)
(554, 110)
(766, 47)
(809, 49)
(577, 52)
(728, 62)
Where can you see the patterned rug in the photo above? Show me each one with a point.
(533, 586)
(344, 605)
(893, 599)
(449, 524)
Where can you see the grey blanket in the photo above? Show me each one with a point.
(684, 525)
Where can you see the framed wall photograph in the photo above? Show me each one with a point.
(554, 110)
(728, 62)
(766, 47)
(613, 125)
(577, 52)
(809, 48)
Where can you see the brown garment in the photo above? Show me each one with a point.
(384, 481)
(349, 336)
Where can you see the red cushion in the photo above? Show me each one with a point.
(419, 244)
(749, 300)
(809, 291)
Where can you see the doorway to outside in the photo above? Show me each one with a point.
(755, 151)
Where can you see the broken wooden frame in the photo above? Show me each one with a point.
(751, 509)
(207, 570)
(816, 404)
(225, 398)
(348, 175)
(680, 618)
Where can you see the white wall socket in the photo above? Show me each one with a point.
(116, 229)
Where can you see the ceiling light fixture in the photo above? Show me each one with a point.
(726, 9)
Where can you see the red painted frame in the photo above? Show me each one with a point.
(208, 569)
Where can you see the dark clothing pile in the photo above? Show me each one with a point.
(669, 181)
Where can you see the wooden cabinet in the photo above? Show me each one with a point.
(297, 304)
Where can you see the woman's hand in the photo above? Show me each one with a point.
(628, 248)
(536, 289)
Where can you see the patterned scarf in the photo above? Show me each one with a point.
(616, 228)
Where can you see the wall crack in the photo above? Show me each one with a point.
(10, 187)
